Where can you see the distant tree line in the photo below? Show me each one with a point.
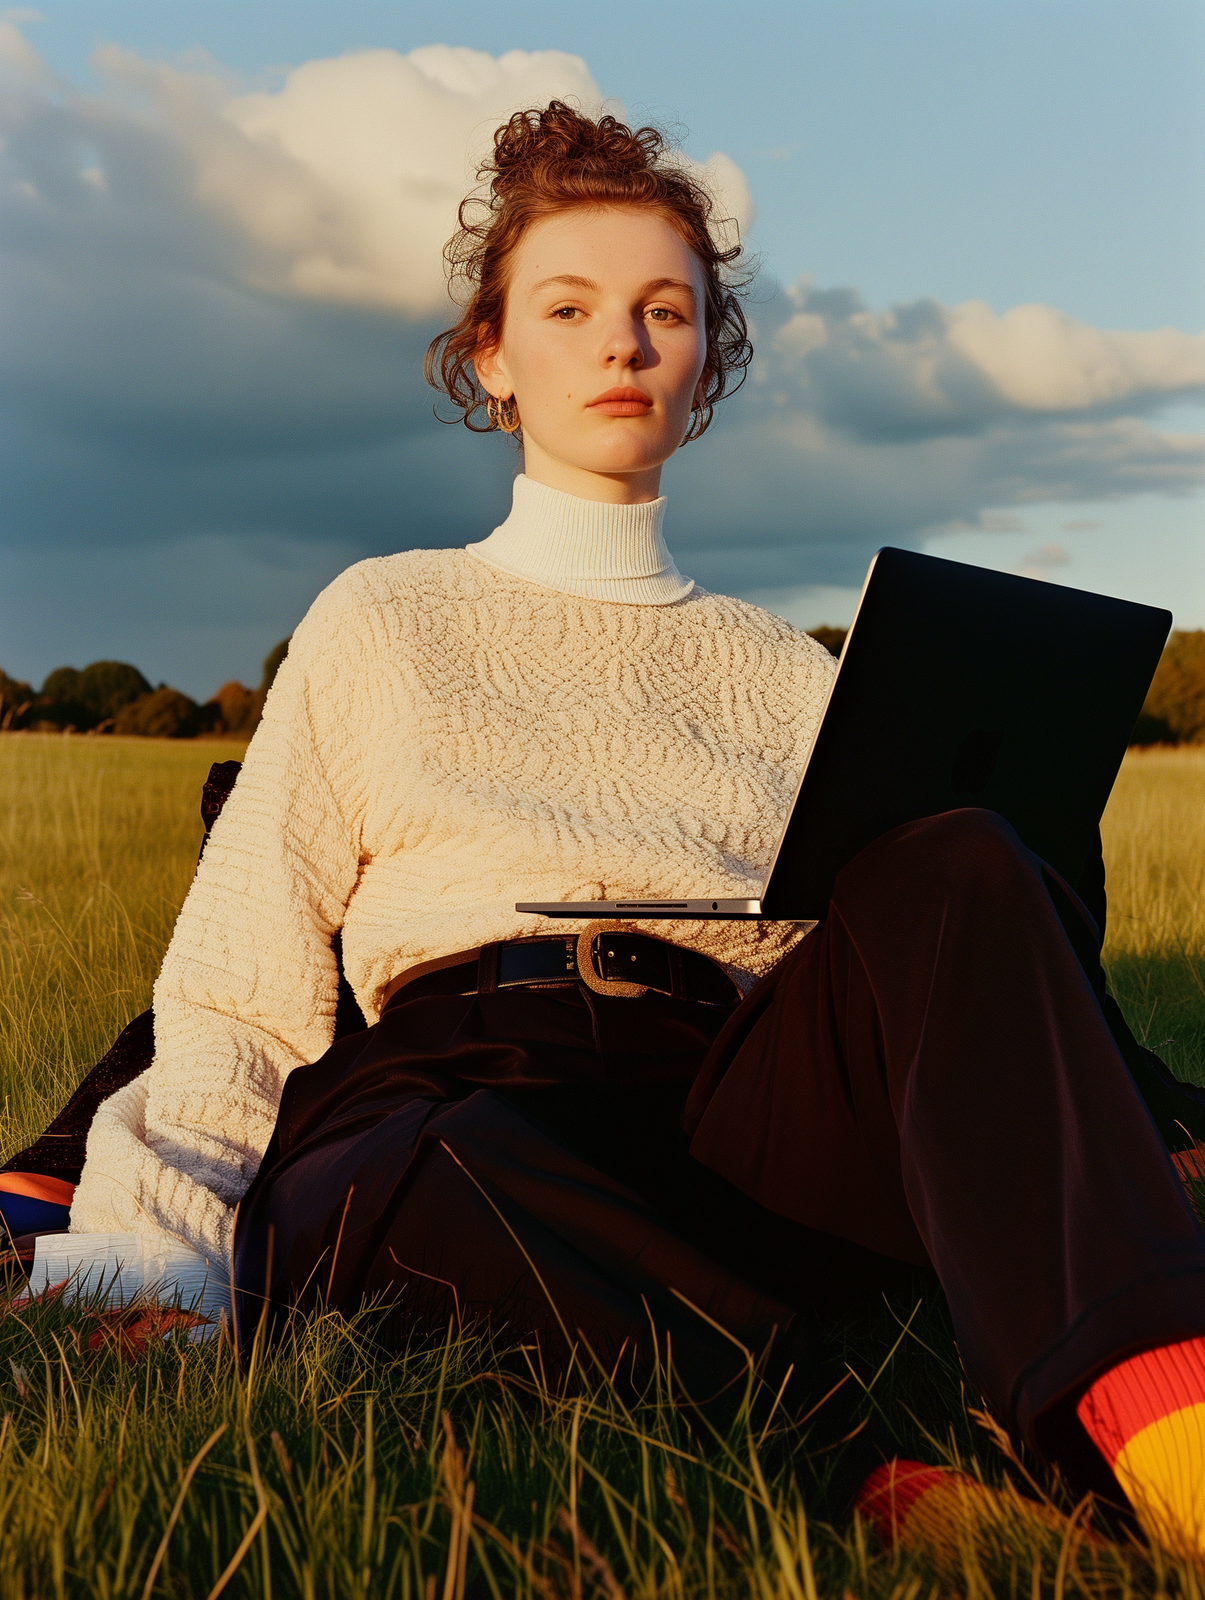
(831, 638)
(114, 697)
(1174, 711)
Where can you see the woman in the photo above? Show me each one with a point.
(929, 1079)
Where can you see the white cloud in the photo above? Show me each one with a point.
(388, 145)
(926, 369)
(16, 52)
(344, 182)
(1042, 360)
(729, 190)
(802, 334)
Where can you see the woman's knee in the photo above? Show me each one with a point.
(972, 848)
(971, 834)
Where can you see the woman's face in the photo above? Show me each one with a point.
(603, 347)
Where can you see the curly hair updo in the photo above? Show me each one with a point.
(543, 161)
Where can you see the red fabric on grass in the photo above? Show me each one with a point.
(892, 1490)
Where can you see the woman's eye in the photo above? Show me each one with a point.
(565, 313)
(663, 314)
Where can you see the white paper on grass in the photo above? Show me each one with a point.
(131, 1266)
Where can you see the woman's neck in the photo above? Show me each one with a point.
(607, 488)
(590, 548)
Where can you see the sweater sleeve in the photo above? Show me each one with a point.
(248, 987)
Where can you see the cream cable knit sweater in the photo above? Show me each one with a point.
(553, 714)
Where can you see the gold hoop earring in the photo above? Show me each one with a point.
(503, 414)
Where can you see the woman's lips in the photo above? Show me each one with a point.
(622, 403)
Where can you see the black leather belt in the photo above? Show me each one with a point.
(609, 961)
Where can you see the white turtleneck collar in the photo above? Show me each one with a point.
(585, 547)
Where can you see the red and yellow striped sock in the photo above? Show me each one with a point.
(1146, 1416)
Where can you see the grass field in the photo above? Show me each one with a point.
(330, 1466)
(1154, 832)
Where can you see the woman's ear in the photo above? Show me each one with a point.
(491, 372)
(699, 400)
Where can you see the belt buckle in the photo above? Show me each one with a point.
(542, 962)
(587, 970)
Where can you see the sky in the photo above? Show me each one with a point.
(980, 229)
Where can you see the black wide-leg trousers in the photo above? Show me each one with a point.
(928, 1079)
(931, 1074)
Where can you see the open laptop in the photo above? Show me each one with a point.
(957, 686)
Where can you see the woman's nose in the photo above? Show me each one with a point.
(624, 344)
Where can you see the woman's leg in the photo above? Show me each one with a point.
(932, 1076)
(484, 1159)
